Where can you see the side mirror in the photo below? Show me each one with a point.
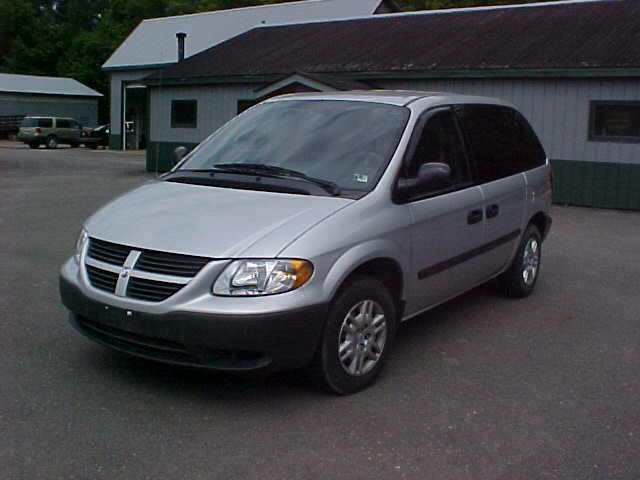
(431, 178)
(179, 153)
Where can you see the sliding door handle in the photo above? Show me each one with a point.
(493, 211)
(474, 216)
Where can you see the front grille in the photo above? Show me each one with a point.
(108, 252)
(102, 279)
(171, 263)
(151, 290)
(164, 264)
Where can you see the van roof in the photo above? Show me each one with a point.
(391, 97)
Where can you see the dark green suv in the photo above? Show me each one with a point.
(50, 131)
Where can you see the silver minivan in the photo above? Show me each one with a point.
(305, 230)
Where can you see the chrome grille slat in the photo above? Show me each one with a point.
(143, 289)
(153, 275)
(102, 279)
(108, 252)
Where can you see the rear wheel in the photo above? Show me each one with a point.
(92, 146)
(52, 142)
(34, 145)
(357, 337)
(520, 278)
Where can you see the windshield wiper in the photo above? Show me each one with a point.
(327, 185)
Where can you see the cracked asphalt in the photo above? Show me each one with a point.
(482, 387)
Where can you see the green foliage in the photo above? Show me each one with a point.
(73, 38)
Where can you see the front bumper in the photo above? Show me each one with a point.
(273, 341)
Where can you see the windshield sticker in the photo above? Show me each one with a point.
(360, 178)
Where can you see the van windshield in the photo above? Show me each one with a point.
(347, 143)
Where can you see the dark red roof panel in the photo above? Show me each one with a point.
(603, 34)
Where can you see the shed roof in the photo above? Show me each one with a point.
(11, 83)
(153, 41)
(579, 35)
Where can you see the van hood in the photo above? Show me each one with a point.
(209, 221)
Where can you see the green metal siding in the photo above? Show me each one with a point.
(115, 142)
(597, 184)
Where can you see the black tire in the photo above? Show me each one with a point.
(326, 369)
(34, 145)
(52, 142)
(514, 282)
(92, 146)
(73, 145)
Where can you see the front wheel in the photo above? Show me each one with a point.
(34, 145)
(358, 334)
(520, 278)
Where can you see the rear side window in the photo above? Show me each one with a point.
(37, 122)
(493, 138)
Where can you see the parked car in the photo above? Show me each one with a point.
(304, 231)
(97, 137)
(50, 131)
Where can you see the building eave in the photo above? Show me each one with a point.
(400, 75)
(137, 67)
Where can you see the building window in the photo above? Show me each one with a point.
(614, 121)
(184, 113)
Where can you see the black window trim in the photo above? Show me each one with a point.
(193, 124)
(592, 137)
(413, 145)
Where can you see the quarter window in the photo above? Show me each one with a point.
(614, 122)
(184, 114)
(532, 154)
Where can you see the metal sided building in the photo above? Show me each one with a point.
(22, 95)
(152, 46)
(573, 68)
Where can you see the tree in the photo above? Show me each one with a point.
(73, 38)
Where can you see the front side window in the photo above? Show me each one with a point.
(348, 143)
(63, 123)
(440, 142)
(492, 135)
(615, 122)
(184, 114)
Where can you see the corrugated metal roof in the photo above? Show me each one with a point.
(44, 85)
(564, 35)
(153, 42)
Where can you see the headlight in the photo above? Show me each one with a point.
(262, 277)
(82, 239)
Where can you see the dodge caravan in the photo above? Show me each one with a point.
(305, 230)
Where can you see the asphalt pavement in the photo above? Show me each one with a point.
(482, 387)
